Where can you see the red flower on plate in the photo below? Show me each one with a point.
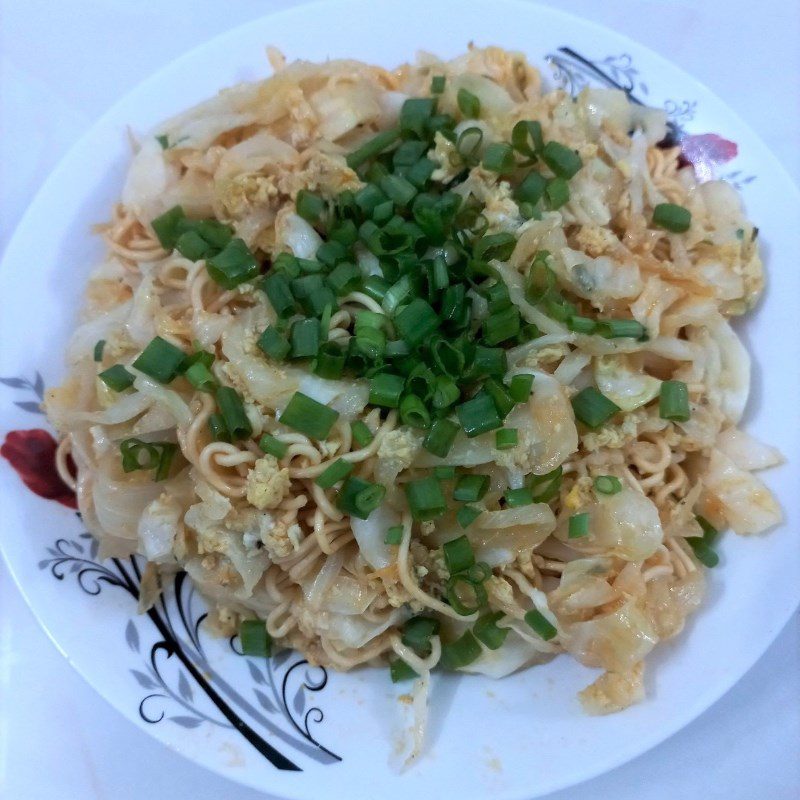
(32, 454)
(706, 151)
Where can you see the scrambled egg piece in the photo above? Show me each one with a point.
(244, 193)
(546, 355)
(614, 691)
(400, 446)
(595, 240)
(281, 540)
(579, 495)
(613, 436)
(267, 483)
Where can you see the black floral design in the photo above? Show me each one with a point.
(173, 684)
(35, 386)
(573, 72)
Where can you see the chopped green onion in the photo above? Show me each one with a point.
(468, 104)
(400, 671)
(672, 217)
(425, 499)
(673, 402)
(563, 161)
(499, 157)
(336, 472)
(309, 205)
(163, 140)
(518, 497)
(192, 245)
(495, 245)
(417, 633)
(489, 361)
(216, 426)
(255, 640)
(385, 390)
(400, 191)
(620, 328)
(445, 393)
(414, 413)
(233, 265)
(394, 535)
(160, 360)
(545, 488)
(593, 408)
(416, 322)
(361, 433)
(330, 361)
(167, 227)
(520, 388)
(468, 144)
(458, 554)
(139, 455)
(460, 653)
(98, 350)
(501, 326)
(167, 455)
(117, 378)
(444, 472)
(607, 484)
(526, 138)
(273, 344)
(304, 338)
(478, 415)
(532, 188)
(540, 624)
(710, 533)
(497, 297)
(359, 498)
(557, 193)
(201, 378)
(541, 280)
(455, 588)
(487, 630)
(372, 148)
(705, 555)
(471, 488)
(500, 395)
(415, 113)
(440, 438)
(274, 447)
(232, 409)
(581, 325)
(437, 84)
(466, 515)
(578, 526)
(279, 293)
(344, 278)
(307, 416)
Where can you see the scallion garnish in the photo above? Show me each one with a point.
(578, 526)
(461, 652)
(672, 217)
(394, 535)
(487, 630)
(593, 408)
(400, 671)
(97, 353)
(359, 498)
(425, 499)
(232, 409)
(540, 624)
(307, 416)
(468, 103)
(361, 433)
(466, 515)
(478, 415)
(117, 378)
(233, 265)
(255, 640)
(518, 497)
(274, 447)
(160, 360)
(607, 484)
(336, 472)
(471, 488)
(673, 401)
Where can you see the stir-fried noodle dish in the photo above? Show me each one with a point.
(426, 368)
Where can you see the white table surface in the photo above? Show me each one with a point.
(62, 63)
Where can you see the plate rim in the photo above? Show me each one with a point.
(704, 699)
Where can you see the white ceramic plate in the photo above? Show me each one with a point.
(281, 726)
